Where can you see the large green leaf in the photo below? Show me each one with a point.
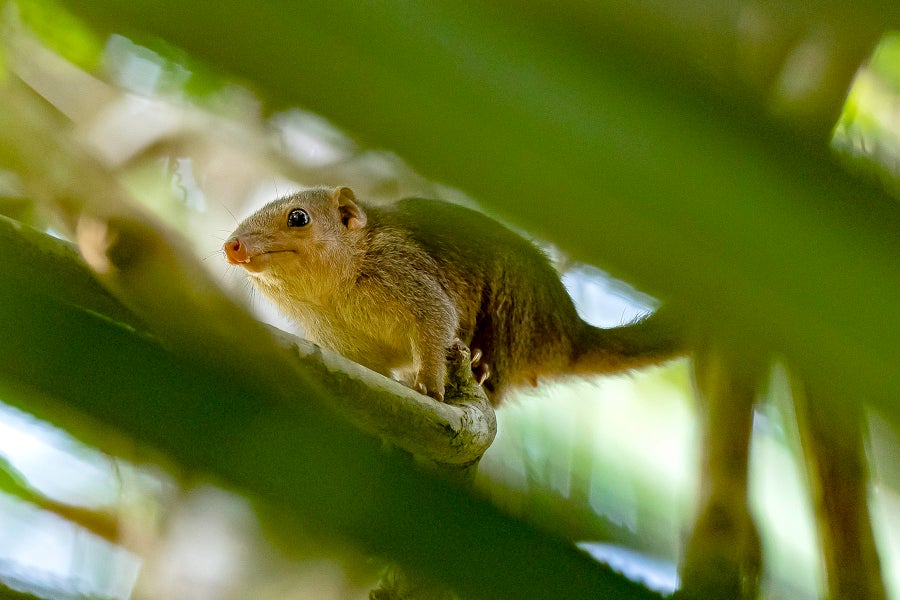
(622, 160)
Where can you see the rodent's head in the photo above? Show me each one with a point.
(305, 240)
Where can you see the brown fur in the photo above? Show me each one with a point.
(392, 287)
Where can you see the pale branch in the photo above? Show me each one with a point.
(456, 432)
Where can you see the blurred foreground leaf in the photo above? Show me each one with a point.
(623, 159)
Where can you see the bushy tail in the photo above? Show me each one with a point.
(651, 340)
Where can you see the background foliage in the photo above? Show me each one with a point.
(673, 144)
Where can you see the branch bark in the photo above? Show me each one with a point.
(457, 432)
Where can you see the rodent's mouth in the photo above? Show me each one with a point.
(259, 262)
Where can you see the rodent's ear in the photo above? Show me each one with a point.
(352, 214)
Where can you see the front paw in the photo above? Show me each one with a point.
(433, 391)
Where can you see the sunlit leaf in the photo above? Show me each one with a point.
(61, 30)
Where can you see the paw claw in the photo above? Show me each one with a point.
(476, 357)
(423, 389)
(485, 374)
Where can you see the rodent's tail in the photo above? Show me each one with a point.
(648, 341)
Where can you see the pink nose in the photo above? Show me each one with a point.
(236, 251)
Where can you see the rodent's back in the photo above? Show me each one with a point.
(391, 287)
(509, 299)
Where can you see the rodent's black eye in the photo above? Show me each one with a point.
(298, 218)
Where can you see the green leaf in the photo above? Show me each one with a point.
(61, 30)
(626, 158)
(14, 483)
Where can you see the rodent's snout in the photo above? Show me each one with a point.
(236, 251)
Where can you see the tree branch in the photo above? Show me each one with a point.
(457, 432)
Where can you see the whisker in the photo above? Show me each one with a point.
(211, 254)
(229, 212)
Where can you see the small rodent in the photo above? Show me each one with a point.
(391, 287)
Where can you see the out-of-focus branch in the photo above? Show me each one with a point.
(100, 522)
